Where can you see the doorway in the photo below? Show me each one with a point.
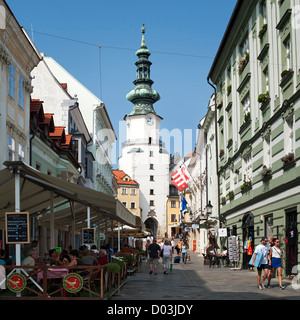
(291, 238)
(248, 239)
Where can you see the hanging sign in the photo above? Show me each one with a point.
(17, 227)
(88, 236)
(222, 232)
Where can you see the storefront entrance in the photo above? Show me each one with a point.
(291, 242)
(248, 239)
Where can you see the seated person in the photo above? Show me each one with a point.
(53, 258)
(2, 257)
(88, 258)
(30, 260)
(76, 261)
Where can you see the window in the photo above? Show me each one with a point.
(12, 81)
(287, 45)
(132, 205)
(246, 109)
(152, 192)
(124, 191)
(151, 154)
(266, 78)
(21, 152)
(245, 47)
(267, 152)
(269, 226)
(150, 140)
(21, 96)
(38, 166)
(173, 218)
(151, 166)
(124, 204)
(173, 203)
(132, 192)
(247, 167)
(11, 148)
(289, 135)
(151, 203)
(151, 178)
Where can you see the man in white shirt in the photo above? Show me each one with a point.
(264, 249)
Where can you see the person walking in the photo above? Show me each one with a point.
(183, 250)
(147, 252)
(154, 253)
(276, 263)
(167, 256)
(262, 248)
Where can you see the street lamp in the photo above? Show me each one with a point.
(209, 208)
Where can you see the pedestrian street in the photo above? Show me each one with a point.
(195, 281)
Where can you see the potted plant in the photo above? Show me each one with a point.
(247, 117)
(285, 74)
(114, 267)
(247, 184)
(262, 31)
(230, 195)
(266, 172)
(264, 97)
(229, 90)
(229, 143)
(243, 63)
(288, 158)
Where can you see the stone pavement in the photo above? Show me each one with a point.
(196, 281)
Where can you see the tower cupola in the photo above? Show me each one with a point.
(143, 96)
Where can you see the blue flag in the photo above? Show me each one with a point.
(183, 205)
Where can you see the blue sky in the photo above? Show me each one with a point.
(183, 37)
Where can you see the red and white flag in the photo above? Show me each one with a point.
(181, 177)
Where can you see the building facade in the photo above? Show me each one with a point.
(256, 76)
(98, 125)
(143, 157)
(66, 113)
(17, 59)
(128, 192)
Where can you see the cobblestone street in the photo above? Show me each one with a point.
(195, 281)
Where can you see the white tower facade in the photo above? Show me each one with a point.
(144, 157)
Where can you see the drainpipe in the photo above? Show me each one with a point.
(30, 149)
(216, 139)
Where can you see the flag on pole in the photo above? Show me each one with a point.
(183, 205)
(181, 177)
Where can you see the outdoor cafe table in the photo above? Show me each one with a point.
(53, 273)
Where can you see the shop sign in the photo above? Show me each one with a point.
(16, 282)
(222, 232)
(72, 282)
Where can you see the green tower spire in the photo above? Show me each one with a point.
(143, 96)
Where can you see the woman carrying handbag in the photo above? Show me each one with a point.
(276, 263)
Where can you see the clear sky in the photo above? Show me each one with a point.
(183, 37)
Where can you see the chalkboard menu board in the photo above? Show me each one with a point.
(88, 236)
(17, 227)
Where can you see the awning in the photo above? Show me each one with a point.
(35, 188)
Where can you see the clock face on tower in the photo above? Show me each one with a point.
(150, 121)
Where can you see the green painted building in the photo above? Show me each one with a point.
(257, 84)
